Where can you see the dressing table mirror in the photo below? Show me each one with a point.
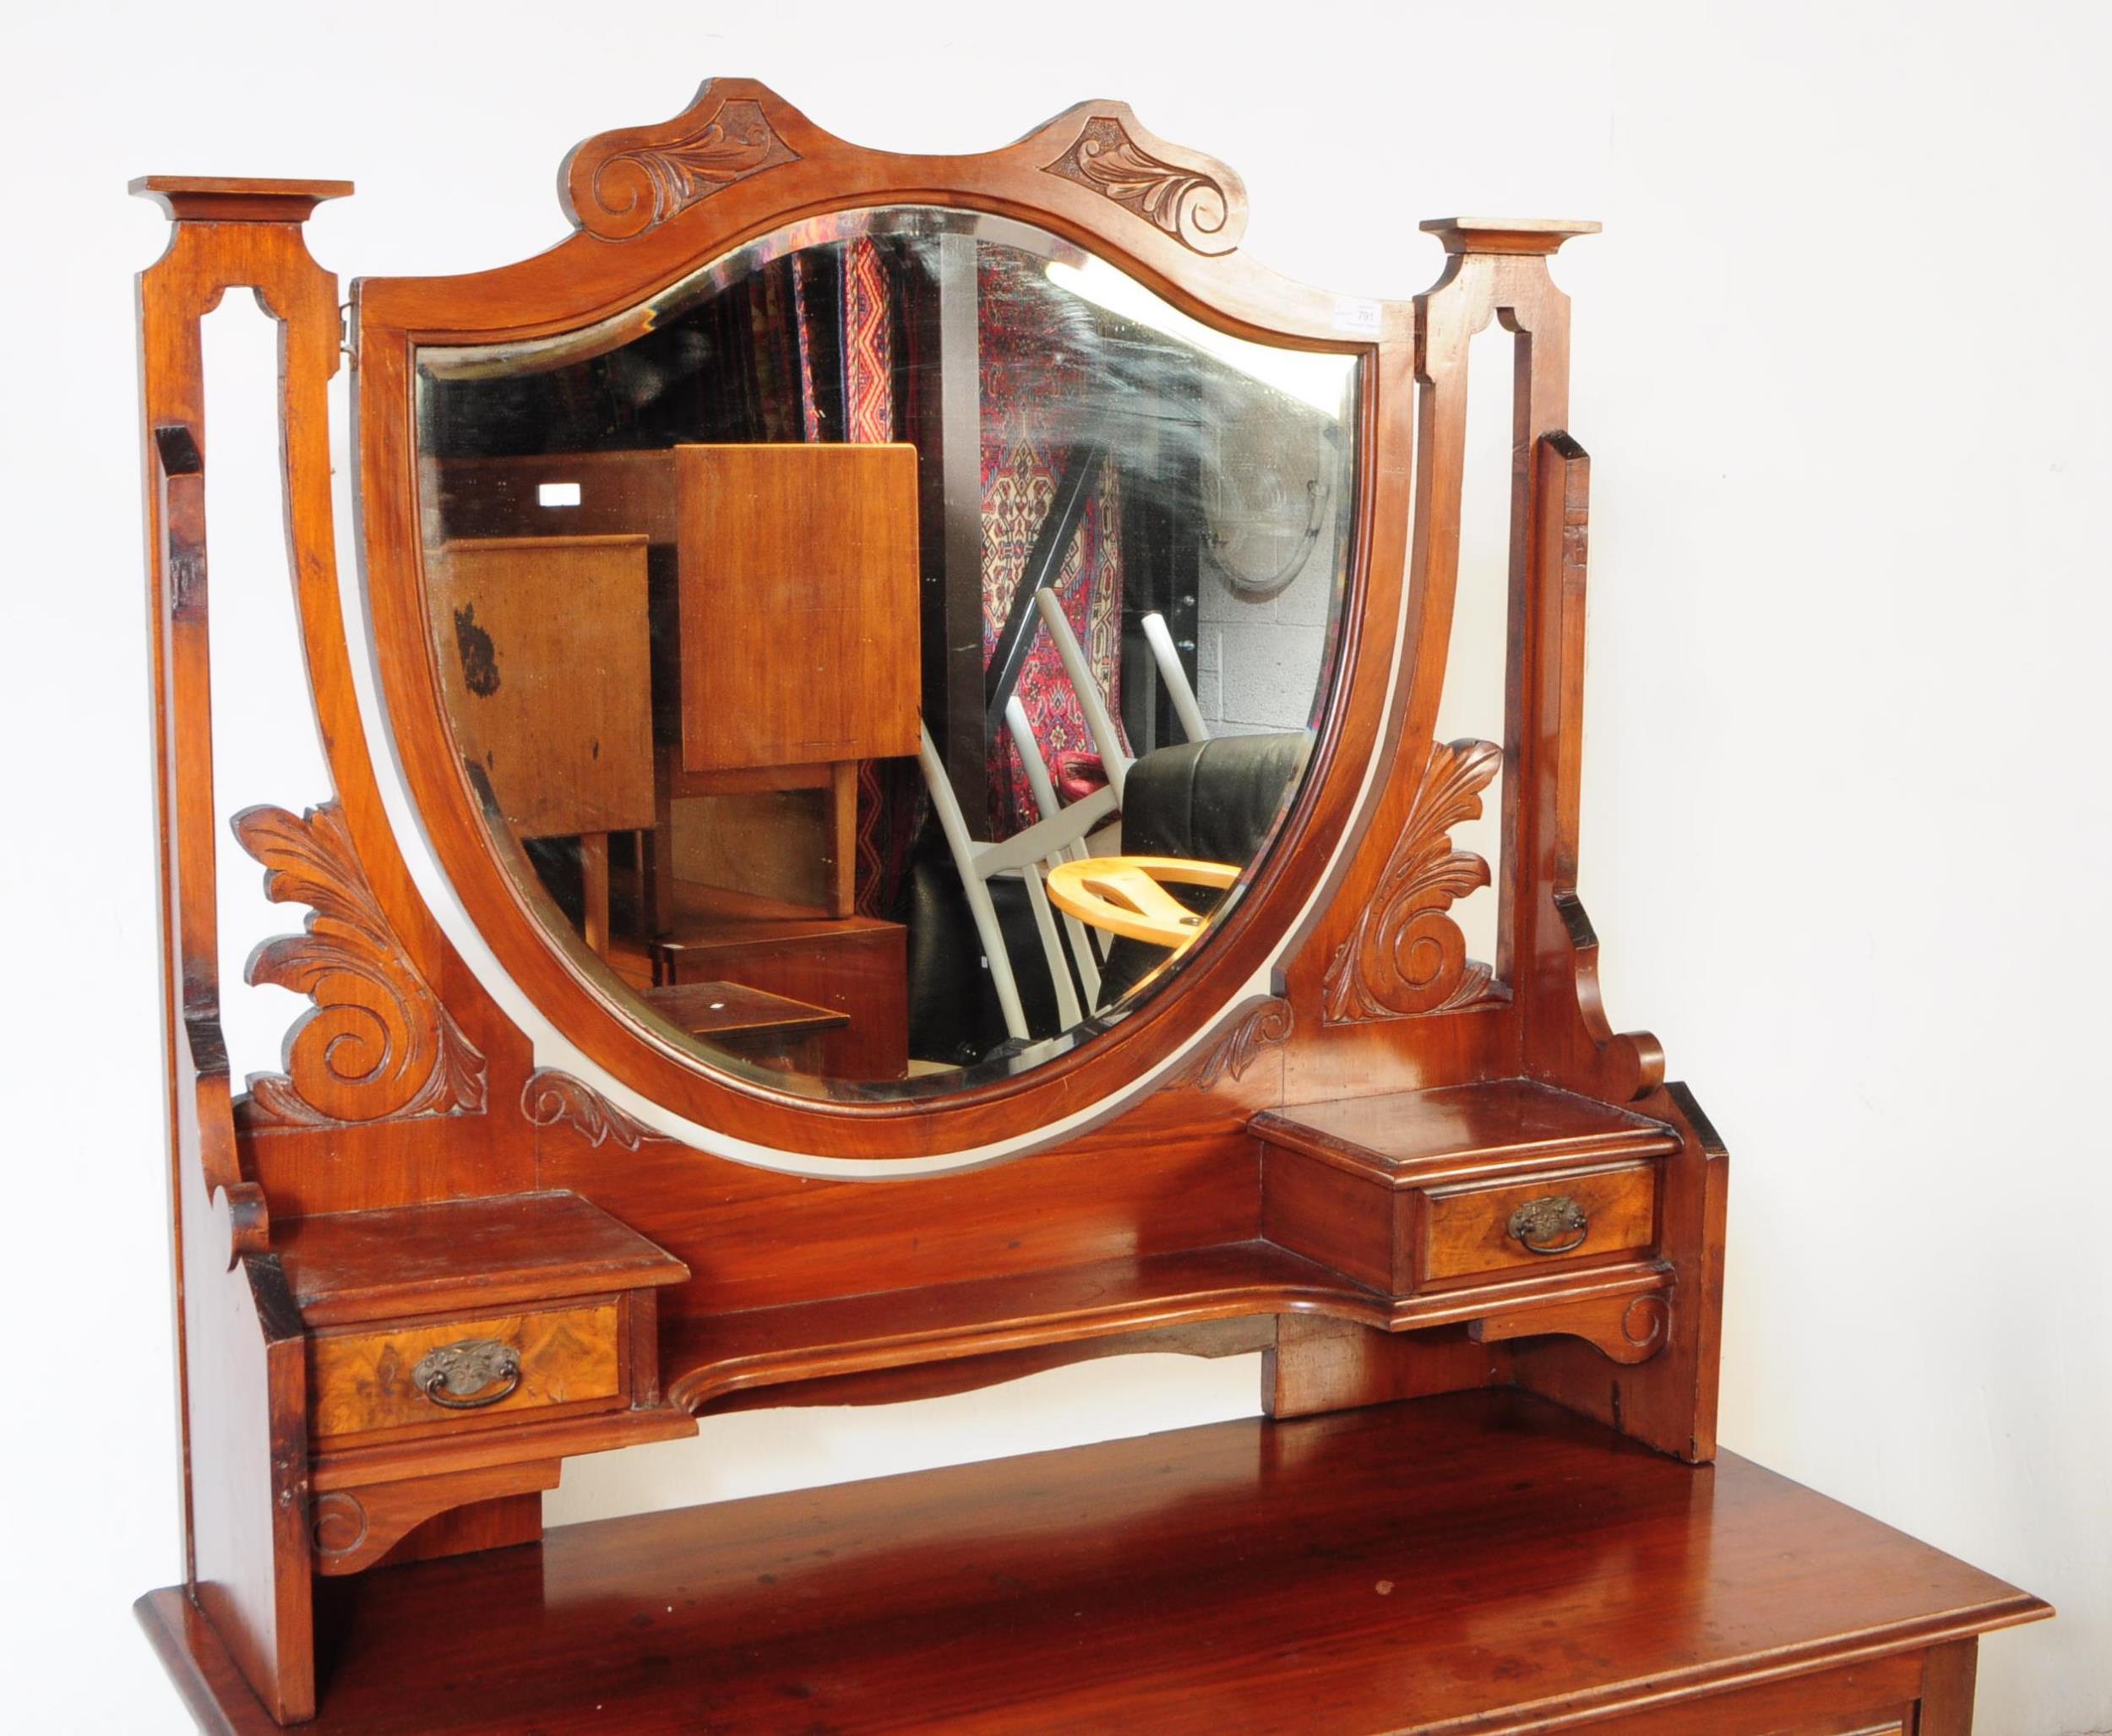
(794, 624)
(897, 839)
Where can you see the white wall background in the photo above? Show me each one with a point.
(1840, 362)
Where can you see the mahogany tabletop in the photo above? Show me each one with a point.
(1481, 1560)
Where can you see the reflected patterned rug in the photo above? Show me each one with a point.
(1033, 374)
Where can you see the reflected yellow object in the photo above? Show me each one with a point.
(1127, 894)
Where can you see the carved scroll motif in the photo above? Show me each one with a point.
(377, 1045)
(1406, 956)
(551, 1098)
(1189, 205)
(1266, 1026)
(1645, 1324)
(339, 1520)
(629, 192)
(1628, 1331)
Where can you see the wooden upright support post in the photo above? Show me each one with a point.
(241, 1374)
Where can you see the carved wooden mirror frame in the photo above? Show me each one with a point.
(1377, 1167)
(653, 205)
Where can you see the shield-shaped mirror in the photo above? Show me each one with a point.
(883, 657)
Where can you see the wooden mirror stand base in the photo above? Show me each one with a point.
(1479, 1561)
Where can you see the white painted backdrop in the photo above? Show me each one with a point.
(1840, 362)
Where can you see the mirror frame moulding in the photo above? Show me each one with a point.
(1178, 237)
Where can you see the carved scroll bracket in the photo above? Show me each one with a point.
(1200, 204)
(377, 1045)
(619, 185)
(1406, 956)
(353, 1528)
(1623, 1329)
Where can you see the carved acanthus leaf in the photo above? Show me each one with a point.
(377, 1045)
(623, 192)
(1405, 956)
(1264, 1027)
(551, 1098)
(1192, 207)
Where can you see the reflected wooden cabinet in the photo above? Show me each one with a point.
(760, 548)
(809, 550)
(775, 589)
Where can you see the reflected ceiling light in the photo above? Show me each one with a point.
(1309, 376)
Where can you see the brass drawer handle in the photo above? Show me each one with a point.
(1552, 1224)
(468, 1375)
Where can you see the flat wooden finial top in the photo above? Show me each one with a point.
(1507, 235)
(222, 199)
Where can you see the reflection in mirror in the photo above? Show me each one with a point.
(796, 627)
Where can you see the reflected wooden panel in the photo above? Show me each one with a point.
(543, 645)
(797, 594)
(787, 587)
(853, 966)
(798, 599)
(772, 1030)
(788, 833)
(545, 660)
(557, 494)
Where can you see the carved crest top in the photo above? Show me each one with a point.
(620, 185)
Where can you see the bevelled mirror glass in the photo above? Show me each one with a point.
(883, 655)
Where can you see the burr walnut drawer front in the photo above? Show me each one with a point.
(453, 1373)
(1580, 1215)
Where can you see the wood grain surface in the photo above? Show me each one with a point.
(360, 1380)
(1481, 1560)
(798, 594)
(544, 654)
(414, 1260)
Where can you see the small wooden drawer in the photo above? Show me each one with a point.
(1579, 1215)
(364, 1379)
